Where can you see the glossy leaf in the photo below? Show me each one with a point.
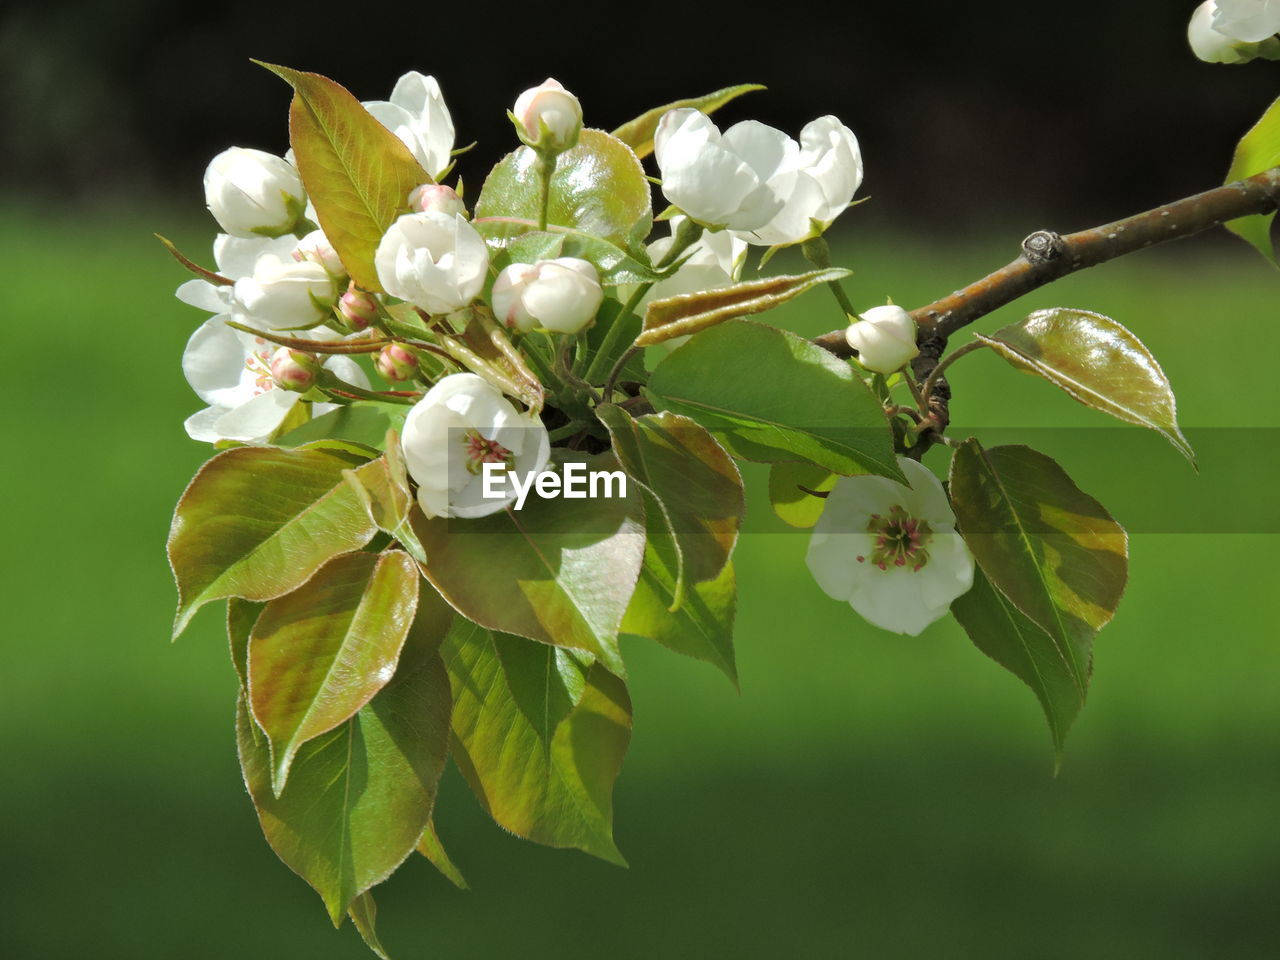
(319, 654)
(357, 173)
(598, 188)
(1011, 639)
(1047, 546)
(789, 481)
(689, 313)
(257, 522)
(364, 914)
(695, 487)
(702, 626)
(1257, 151)
(809, 406)
(365, 421)
(1097, 362)
(383, 488)
(541, 763)
(360, 796)
(559, 571)
(430, 847)
(638, 133)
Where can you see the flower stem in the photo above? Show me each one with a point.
(546, 168)
(332, 384)
(927, 390)
(818, 253)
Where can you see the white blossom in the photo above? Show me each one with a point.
(1249, 20)
(735, 180)
(231, 371)
(885, 338)
(433, 261)
(461, 424)
(416, 113)
(316, 248)
(284, 294)
(549, 117)
(252, 193)
(560, 295)
(828, 171)
(234, 258)
(891, 551)
(1235, 31)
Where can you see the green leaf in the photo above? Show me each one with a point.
(319, 654)
(788, 481)
(357, 173)
(1097, 362)
(430, 847)
(689, 313)
(638, 133)
(1011, 639)
(364, 914)
(1257, 151)
(257, 522)
(1047, 546)
(383, 487)
(241, 615)
(364, 421)
(542, 766)
(598, 188)
(810, 406)
(559, 571)
(695, 488)
(702, 627)
(603, 349)
(361, 795)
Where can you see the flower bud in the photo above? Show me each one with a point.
(358, 309)
(284, 294)
(561, 295)
(1229, 31)
(396, 363)
(252, 193)
(294, 370)
(885, 338)
(316, 248)
(437, 198)
(548, 117)
(433, 261)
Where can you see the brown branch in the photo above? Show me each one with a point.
(1046, 256)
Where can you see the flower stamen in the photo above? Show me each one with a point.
(900, 541)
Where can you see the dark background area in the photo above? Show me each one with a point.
(968, 114)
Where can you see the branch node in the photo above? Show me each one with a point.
(1043, 246)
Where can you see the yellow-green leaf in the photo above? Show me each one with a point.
(1097, 362)
(358, 174)
(1257, 151)
(688, 313)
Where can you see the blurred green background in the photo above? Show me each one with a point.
(865, 795)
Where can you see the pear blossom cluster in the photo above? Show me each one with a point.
(1235, 31)
(277, 276)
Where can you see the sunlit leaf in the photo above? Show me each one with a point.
(320, 653)
(430, 847)
(598, 188)
(364, 914)
(383, 487)
(540, 735)
(1257, 151)
(688, 313)
(769, 395)
(359, 796)
(1097, 362)
(1047, 546)
(789, 484)
(357, 173)
(257, 522)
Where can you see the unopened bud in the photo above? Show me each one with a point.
(885, 338)
(396, 363)
(294, 370)
(358, 309)
(548, 117)
(437, 198)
